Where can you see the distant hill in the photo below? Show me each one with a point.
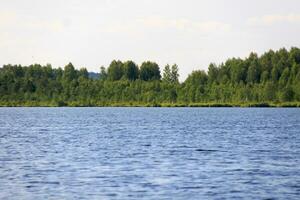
(94, 75)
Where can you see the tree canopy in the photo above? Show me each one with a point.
(149, 71)
(273, 77)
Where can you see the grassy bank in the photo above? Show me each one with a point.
(143, 104)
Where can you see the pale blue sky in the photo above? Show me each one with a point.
(191, 33)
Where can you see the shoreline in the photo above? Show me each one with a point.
(164, 105)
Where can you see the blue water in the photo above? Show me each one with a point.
(149, 153)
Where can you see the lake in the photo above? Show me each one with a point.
(149, 153)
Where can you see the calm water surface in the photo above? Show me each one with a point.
(149, 153)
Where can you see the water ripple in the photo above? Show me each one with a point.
(149, 153)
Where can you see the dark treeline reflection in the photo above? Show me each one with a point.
(272, 78)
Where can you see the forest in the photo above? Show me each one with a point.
(271, 79)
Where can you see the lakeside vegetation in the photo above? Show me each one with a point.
(272, 79)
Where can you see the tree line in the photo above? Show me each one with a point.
(272, 78)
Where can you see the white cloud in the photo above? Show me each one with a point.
(6, 18)
(11, 20)
(187, 25)
(273, 19)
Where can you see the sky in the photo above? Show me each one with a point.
(190, 33)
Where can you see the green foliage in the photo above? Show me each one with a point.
(167, 74)
(131, 71)
(149, 71)
(171, 75)
(269, 92)
(83, 73)
(213, 71)
(115, 70)
(103, 73)
(174, 74)
(268, 80)
(69, 72)
(287, 94)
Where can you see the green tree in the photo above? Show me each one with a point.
(167, 74)
(103, 73)
(272, 77)
(253, 73)
(131, 71)
(237, 70)
(83, 73)
(212, 73)
(115, 70)
(170, 74)
(287, 94)
(264, 77)
(275, 74)
(270, 91)
(284, 77)
(149, 71)
(69, 72)
(174, 74)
